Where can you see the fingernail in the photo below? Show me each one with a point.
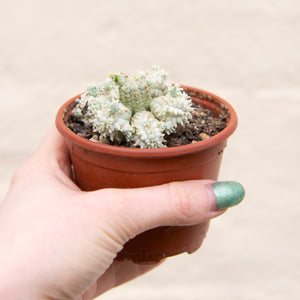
(225, 194)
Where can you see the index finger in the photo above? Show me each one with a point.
(53, 152)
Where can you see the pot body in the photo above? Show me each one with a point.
(98, 166)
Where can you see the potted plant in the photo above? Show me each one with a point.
(141, 130)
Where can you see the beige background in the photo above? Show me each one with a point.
(245, 51)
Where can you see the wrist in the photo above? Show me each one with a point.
(14, 284)
(12, 288)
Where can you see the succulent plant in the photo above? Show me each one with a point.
(140, 108)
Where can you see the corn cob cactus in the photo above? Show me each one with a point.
(140, 108)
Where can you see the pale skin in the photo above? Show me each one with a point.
(58, 242)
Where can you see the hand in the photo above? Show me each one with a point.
(58, 242)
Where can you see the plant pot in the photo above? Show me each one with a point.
(98, 166)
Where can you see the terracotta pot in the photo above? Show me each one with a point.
(98, 166)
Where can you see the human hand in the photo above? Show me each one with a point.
(58, 242)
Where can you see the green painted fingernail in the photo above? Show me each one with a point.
(228, 193)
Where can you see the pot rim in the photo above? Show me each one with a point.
(158, 152)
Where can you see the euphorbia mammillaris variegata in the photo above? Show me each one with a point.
(141, 108)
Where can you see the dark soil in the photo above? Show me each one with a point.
(202, 126)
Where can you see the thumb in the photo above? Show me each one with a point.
(176, 204)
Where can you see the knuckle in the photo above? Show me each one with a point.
(22, 173)
(182, 202)
(18, 174)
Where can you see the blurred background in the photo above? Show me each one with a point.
(244, 51)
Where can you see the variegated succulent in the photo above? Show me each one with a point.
(140, 108)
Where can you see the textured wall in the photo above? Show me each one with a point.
(245, 51)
